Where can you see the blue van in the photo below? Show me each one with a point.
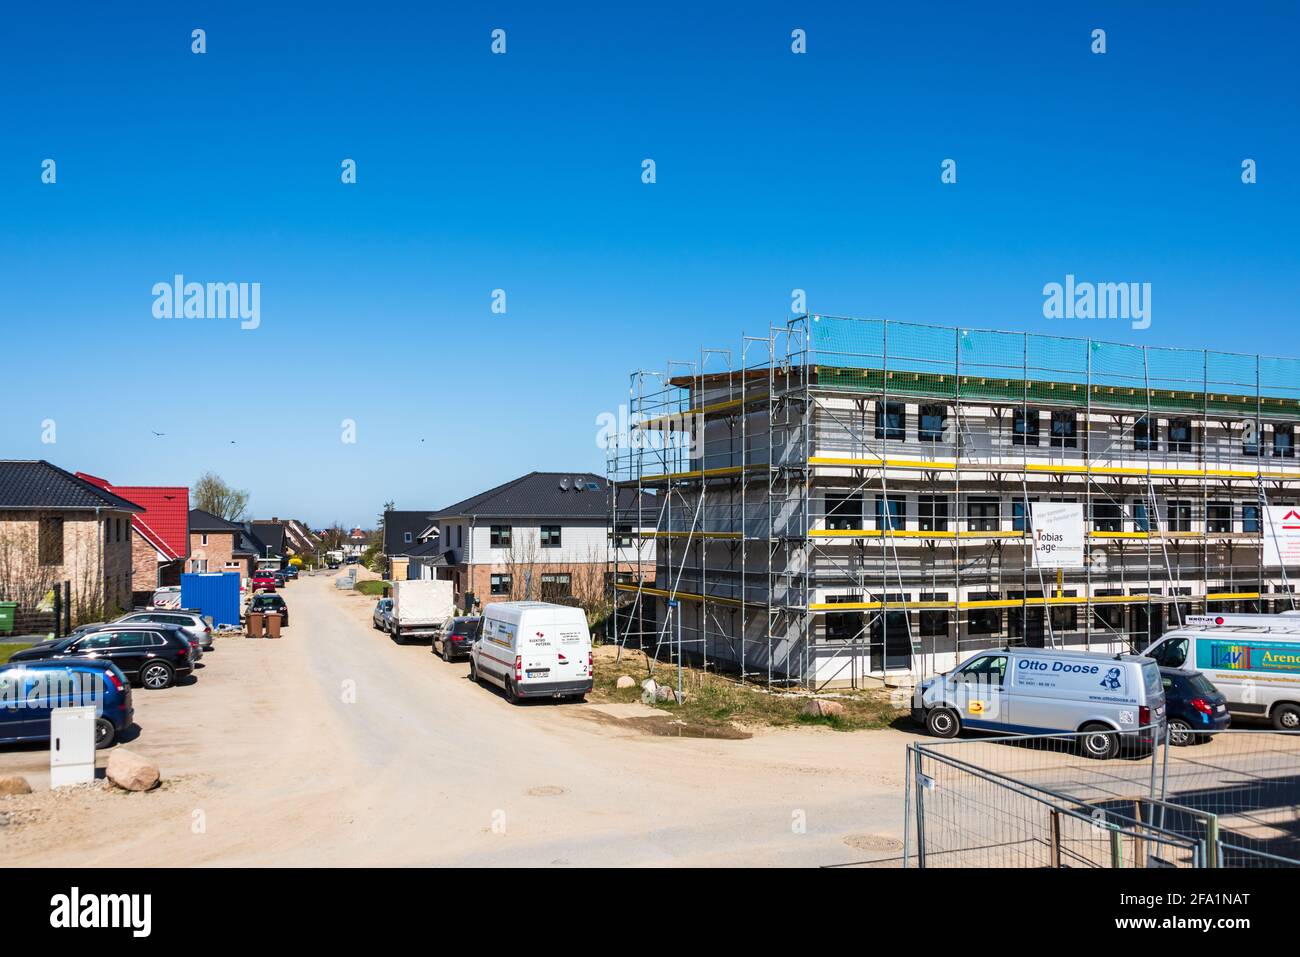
(30, 690)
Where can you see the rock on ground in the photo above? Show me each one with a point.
(14, 784)
(625, 681)
(131, 771)
(818, 708)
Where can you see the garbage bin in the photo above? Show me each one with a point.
(7, 609)
(254, 622)
(273, 624)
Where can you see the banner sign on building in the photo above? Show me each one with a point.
(1282, 535)
(1058, 534)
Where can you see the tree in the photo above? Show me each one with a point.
(212, 494)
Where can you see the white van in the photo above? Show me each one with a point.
(1112, 699)
(533, 649)
(1257, 671)
(1282, 621)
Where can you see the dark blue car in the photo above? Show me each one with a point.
(30, 690)
(1193, 706)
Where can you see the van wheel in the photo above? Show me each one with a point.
(1099, 742)
(397, 635)
(473, 673)
(104, 733)
(1180, 733)
(1286, 717)
(942, 722)
(511, 695)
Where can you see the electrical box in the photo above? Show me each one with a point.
(72, 746)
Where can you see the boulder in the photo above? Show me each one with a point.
(14, 784)
(664, 693)
(131, 771)
(625, 681)
(817, 708)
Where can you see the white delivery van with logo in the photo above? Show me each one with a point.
(1113, 699)
(1257, 670)
(533, 649)
(1282, 621)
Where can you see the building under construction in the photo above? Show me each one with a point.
(848, 502)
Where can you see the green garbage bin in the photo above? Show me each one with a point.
(7, 609)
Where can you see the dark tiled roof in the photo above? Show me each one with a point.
(271, 534)
(544, 494)
(398, 523)
(38, 484)
(201, 521)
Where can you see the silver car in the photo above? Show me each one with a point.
(1110, 699)
(382, 617)
(190, 622)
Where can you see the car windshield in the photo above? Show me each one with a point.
(465, 628)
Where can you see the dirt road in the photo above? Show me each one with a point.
(334, 746)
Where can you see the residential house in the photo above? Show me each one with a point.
(298, 538)
(160, 539)
(402, 531)
(217, 545)
(56, 527)
(272, 537)
(544, 536)
(357, 543)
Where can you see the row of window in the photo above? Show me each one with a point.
(553, 584)
(984, 514)
(1063, 430)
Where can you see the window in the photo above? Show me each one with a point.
(932, 421)
(1108, 616)
(843, 625)
(1107, 517)
(1218, 517)
(983, 514)
(117, 529)
(934, 621)
(984, 621)
(1141, 520)
(406, 537)
(1175, 613)
(200, 565)
(499, 536)
(989, 670)
(500, 585)
(932, 513)
(550, 536)
(1145, 434)
(203, 539)
(1065, 430)
(1250, 519)
(1283, 441)
(843, 511)
(1171, 653)
(1178, 515)
(1065, 617)
(49, 544)
(623, 536)
(1250, 437)
(891, 421)
(555, 585)
(1180, 435)
(1021, 515)
(1024, 427)
(896, 507)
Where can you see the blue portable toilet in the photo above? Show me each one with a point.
(214, 594)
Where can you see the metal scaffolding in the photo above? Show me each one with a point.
(847, 501)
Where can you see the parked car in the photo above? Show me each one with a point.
(30, 690)
(1193, 705)
(1112, 700)
(456, 637)
(152, 655)
(533, 649)
(192, 622)
(271, 602)
(290, 572)
(382, 617)
(263, 581)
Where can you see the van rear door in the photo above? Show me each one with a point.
(535, 644)
(573, 648)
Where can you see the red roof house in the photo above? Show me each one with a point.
(162, 531)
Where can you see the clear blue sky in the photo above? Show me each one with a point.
(522, 172)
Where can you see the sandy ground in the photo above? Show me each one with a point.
(335, 746)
